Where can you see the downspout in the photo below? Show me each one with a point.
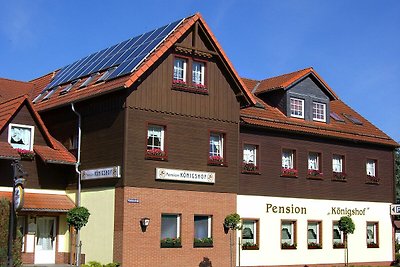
(78, 198)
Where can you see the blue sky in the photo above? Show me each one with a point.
(354, 45)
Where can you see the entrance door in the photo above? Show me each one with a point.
(45, 242)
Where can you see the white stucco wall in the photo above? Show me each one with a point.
(270, 252)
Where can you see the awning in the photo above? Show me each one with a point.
(39, 202)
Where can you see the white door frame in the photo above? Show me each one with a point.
(45, 249)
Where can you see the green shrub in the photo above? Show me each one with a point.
(98, 264)
(78, 217)
(113, 264)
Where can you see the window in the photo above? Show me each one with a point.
(250, 234)
(337, 236)
(319, 111)
(202, 231)
(314, 235)
(21, 136)
(198, 72)
(372, 235)
(288, 164)
(216, 152)
(297, 107)
(337, 163)
(288, 234)
(314, 164)
(180, 70)
(371, 167)
(250, 158)
(155, 141)
(21, 228)
(170, 230)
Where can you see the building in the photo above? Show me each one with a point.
(169, 140)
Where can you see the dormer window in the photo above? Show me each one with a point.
(21, 136)
(319, 111)
(198, 73)
(180, 66)
(297, 107)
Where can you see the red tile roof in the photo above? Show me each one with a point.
(43, 202)
(126, 81)
(272, 118)
(11, 89)
(7, 152)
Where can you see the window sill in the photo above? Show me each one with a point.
(314, 247)
(372, 180)
(217, 163)
(337, 179)
(159, 158)
(288, 248)
(289, 175)
(170, 245)
(372, 246)
(197, 245)
(250, 247)
(339, 246)
(256, 172)
(312, 177)
(189, 88)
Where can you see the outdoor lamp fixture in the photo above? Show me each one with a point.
(144, 222)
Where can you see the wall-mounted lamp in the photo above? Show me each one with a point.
(144, 222)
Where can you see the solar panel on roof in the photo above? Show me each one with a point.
(125, 57)
(336, 117)
(353, 119)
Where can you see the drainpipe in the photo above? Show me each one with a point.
(78, 199)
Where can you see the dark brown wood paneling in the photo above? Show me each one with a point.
(187, 141)
(270, 183)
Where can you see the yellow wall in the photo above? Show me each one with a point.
(98, 235)
(63, 234)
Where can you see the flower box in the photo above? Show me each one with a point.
(314, 174)
(206, 242)
(183, 86)
(313, 245)
(26, 154)
(372, 245)
(216, 160)
(250, 168)
(171, 243)
(372, 179)
(249, 246)
(288, 246)
(288, 172)
(339, 176)
(156, 154)
(338, 245)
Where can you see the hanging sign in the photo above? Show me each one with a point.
(18, 197)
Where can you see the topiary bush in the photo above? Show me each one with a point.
(78, 217)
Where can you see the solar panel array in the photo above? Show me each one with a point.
(123, 57)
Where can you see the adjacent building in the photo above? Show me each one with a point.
(168, 140)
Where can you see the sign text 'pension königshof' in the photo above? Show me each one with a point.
(101, 173)
(185, 175)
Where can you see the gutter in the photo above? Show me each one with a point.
(78, 160)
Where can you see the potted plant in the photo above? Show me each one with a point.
(249, 168)
(26, 154)
(339, 176)
(249, 246)
(216, 160)
(155, 153)
(232, 222)
(288, 172)
(203, 242)
(286, 245)
(171, 242)
(372, 179)
(314, 173)
(346, 225)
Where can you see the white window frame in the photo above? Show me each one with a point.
(21, 221)
(317, 232)
(178, 224)
(255, 233)
(31, 138)
(152, 128)
(291, 231)
(288, 157)
(374, 227)
(250, 154)
(337, 163)
(209, 225)
(336, 227)
(198, 72)
(218, 143)
(293, 111)
(319, 110)
(370, 167)
(311, 156)
(180, 69)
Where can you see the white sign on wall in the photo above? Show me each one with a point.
(110, 172)
(185, 175)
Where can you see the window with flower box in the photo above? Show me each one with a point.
(250, 234)
(170, 230)
(297, 107)
(216, 151)
(371, 171)
(314, 165)
(314, 234)
(288, 234)
(156, 142)
(202, 231)
(250, 159)
(337, 236)
(189, 75)
(372, 235)
(338, 168)
(288, 163)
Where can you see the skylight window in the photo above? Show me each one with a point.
(88, 80)
(336, 117)
(69, 87)
(106, 74)
(352, 119)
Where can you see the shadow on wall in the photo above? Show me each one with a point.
(205, 262)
